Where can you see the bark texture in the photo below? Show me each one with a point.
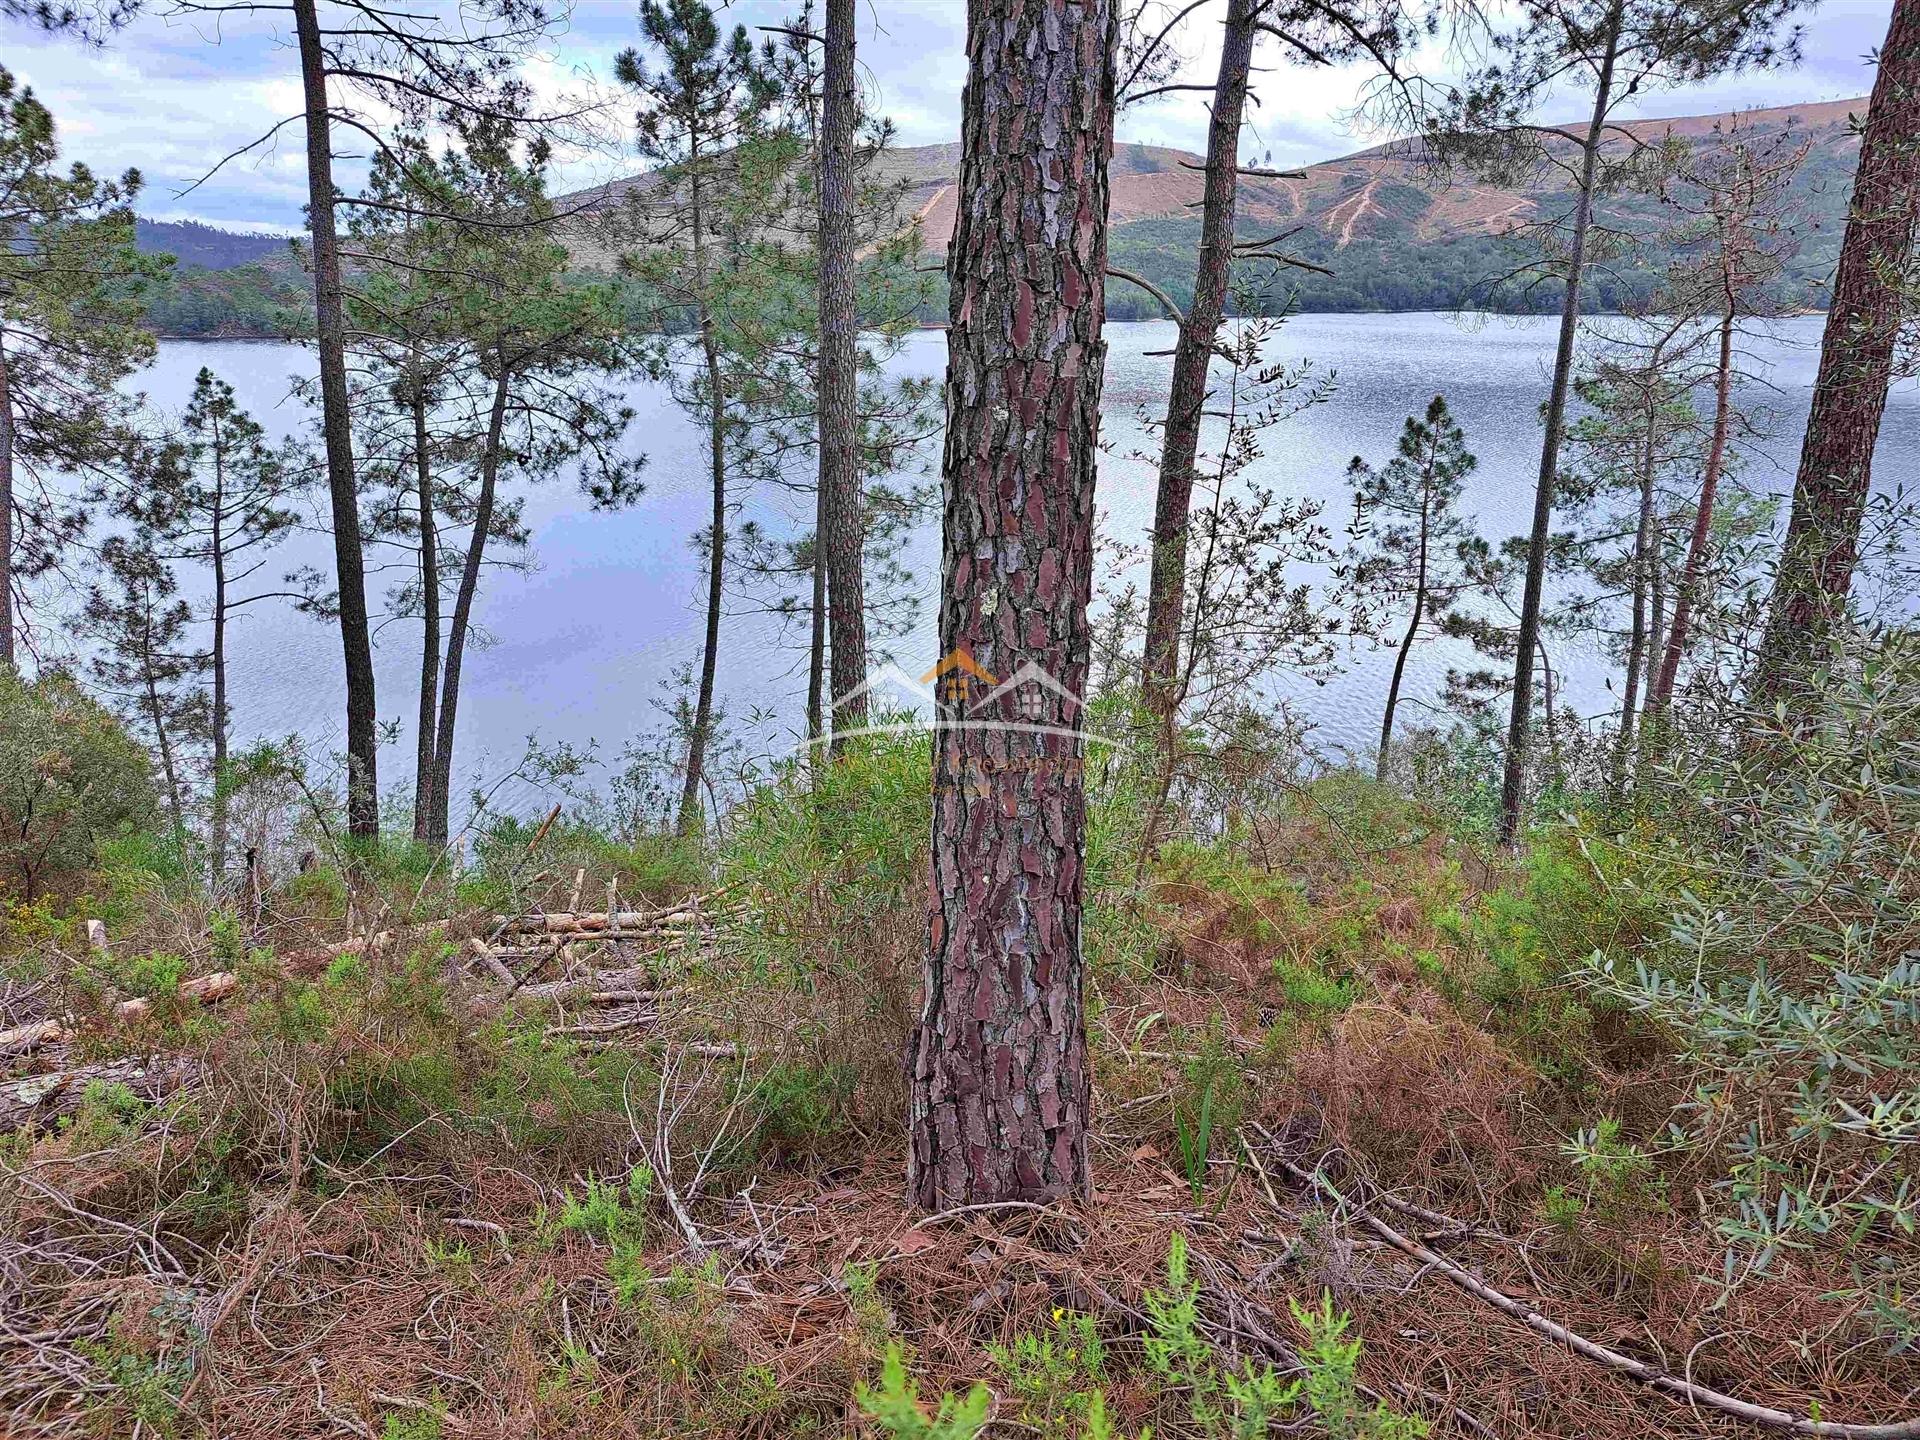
(6, 514)
(1180, 439)
(997, 1066)
(1856, 368)
(842, 531)
(363, 795)
(1513, 785)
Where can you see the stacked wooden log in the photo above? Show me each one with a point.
(37, 1101)
(24, 1039)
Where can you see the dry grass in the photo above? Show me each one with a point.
(351, 1228)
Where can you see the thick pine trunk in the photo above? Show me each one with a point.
(1856, 368)
(6, 513)
(440, 828)
(843, 532)
(997, 1067)
(425, 766)
(1695, 567)
(817, 624)
(363, 793)
(1513, 786)
(1180, 438)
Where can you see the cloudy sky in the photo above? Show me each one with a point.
(171, 95)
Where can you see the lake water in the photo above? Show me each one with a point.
(581, 647)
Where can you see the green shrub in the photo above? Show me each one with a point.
(1219, 1402)
(1331, 1386)
(1785, 974)
(895, 1406)
(71, 778)
(1055, 1377)
(800, 1109)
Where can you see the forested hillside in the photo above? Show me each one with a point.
(1384, 231)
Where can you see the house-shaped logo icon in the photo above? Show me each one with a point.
(955, 676)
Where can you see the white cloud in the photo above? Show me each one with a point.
(170, 97)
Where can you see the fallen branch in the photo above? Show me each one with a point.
(570, 922)
(1640, 1370)
(600, 982)
(39, 1101)
(485, 955)
(604, 1027)
(24, 1039)
(207, 989)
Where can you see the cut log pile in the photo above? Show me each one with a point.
(519, 948)
(535, 957)
(541, 958)
(24, 1039)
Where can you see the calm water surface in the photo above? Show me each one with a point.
(580, 647)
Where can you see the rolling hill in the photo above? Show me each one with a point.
(1393, 236)
(207, 246)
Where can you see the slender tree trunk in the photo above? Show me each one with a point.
(1657, 603)
(1637, 639)
(1406, 647)
(1555, 760)
(817, 628)
(1692, 574)
(426, 769)
(1193, 351)
(6, 511)
(691, 806)
(216, 546)
(839, 376)
(1856, 367)
(363, 791)
(999, 1087)
(462, 619)
(1513, 788)
(157, 715)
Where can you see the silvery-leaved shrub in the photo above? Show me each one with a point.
(1788, 978)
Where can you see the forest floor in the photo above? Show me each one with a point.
(422, 1173)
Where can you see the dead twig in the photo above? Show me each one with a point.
(1687, 1390)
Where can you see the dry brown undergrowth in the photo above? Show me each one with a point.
(367, 1283)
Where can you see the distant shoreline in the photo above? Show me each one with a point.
(938, 325)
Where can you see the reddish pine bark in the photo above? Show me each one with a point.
(1187, 395)
(997, 1067)
(1856, 367)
